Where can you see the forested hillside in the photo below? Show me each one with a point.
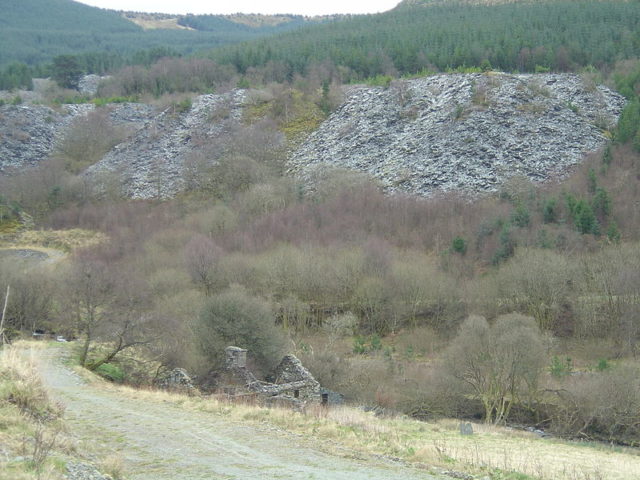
(438, 36)
(559, 36)
(35, 31)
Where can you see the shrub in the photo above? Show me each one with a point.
(538, 283)
(506, 247)
(379, 81)
(500, 364)
(613, 232)
(234, 317)
(341, 325)
(459, 245)
(520, 217)
(606, 155)
(603, 365)
(602, 203)
(88, 139)
(560, 368)
(182, 106)
(584, 218)
(550, 211)
(603, 405)
(592, 181)
(362, 345)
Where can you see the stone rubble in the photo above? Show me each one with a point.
(176, 380)
(84, 471)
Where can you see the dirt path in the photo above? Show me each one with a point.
(162, 441)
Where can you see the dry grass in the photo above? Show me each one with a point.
(516, 451)
(113, 466)
(45, 240)
(152, 22)
(30, 429)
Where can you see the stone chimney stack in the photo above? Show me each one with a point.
(235, 357)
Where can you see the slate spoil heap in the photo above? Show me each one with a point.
(466, 132)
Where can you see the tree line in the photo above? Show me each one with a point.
(559, 36)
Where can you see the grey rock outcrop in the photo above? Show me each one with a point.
(462, 131)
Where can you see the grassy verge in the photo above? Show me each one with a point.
(491, 452)
(31, 426)
(34, 441)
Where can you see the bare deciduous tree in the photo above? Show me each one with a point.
(107, 303)
(501, 364)
(88, 139)
(202, 257)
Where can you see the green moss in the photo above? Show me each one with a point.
(111, 372)
(256, 111)
(303, 124)
(9, 226)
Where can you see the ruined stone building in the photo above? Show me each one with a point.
(293, 382)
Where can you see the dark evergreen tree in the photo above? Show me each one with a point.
(66, 71)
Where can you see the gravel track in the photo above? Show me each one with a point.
(160, 441)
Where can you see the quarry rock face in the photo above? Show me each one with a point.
(466, 132)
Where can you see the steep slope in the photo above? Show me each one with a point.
(462, 132)
(152, 163)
